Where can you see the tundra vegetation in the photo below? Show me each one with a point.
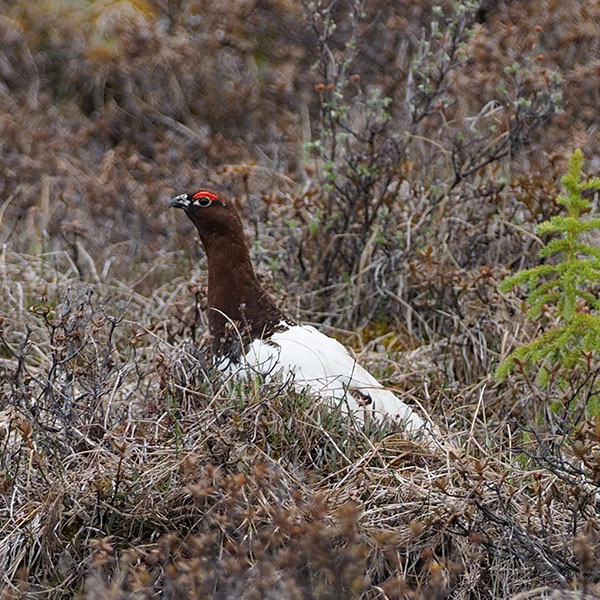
(394, 162)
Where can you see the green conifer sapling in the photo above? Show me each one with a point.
(565, 286)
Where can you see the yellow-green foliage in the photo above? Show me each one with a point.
(565, 285)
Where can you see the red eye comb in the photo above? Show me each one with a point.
(205, 194)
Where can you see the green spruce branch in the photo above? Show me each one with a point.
(566, 287)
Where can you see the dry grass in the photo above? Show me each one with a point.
(128, 467)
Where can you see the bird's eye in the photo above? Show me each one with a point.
(204, 198)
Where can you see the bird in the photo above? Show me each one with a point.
(252, 336)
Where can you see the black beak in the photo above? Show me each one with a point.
(181, 201)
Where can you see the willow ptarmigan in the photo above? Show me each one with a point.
(251, 335)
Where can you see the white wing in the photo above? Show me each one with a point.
(322, 364)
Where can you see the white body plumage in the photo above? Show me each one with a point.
(318, 362)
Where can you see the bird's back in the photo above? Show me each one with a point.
(319, 362)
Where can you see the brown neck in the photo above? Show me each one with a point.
(238, 306)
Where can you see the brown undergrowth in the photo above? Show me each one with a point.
(128, 467)
(131, 469)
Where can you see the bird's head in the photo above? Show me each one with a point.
(211, 212)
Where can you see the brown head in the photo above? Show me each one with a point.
(213, 214)
(236, 300)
